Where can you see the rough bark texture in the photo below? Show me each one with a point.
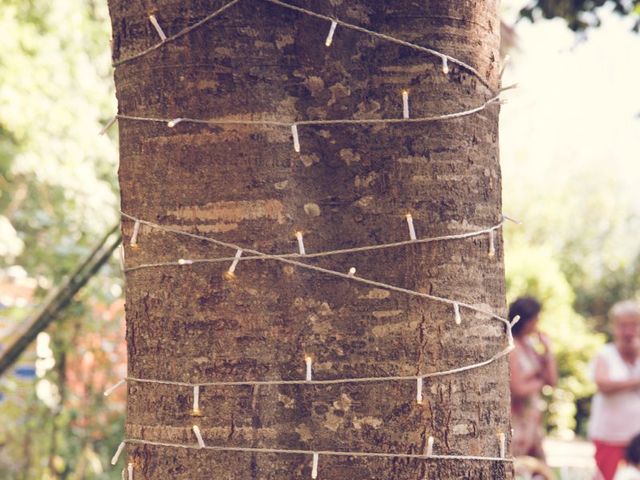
(350, 186)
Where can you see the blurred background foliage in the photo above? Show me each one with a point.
(577, 252)
(580, 14)
(58, 196)
(568, 138)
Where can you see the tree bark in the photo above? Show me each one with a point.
(351, 185)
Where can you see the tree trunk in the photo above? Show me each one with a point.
(350, 185)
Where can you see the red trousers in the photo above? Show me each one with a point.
(608, 456)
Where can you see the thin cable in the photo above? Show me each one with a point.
(333, 453)
(389, 38)
(347, 276)
(311, 13)
(459, 236)
(182, 33)
(337, 381)
(494, 358)
(319, 269)
(346, 121)
(172, 122)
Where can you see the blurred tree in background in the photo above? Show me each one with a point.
(580, 14)
(57, 198)
(578, 253)
(573, 183)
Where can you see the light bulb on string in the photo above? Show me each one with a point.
(429, 449)
(412, 230)
(230, 274)
(308, 362)
(445, 65)
(300, 239)
(133, 243)
(198, 434)
(116, 456)
(296, 138)
(456, 312)
(502, 438)
(332, 30)
(174, 122)
(405, 104)
(314, 466)
(156, 25)
(195, 411)
(492, 244)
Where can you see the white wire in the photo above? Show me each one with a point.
(310, 13)
(494, 358)
(260, 255)
(327, 271)
(346, 121)
(285, 258)
(459, 236)
(319, 452)
(384, 37)
(172, 122)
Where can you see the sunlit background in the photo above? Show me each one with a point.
(570, 139)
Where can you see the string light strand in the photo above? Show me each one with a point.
(156, 25)
(336, 381)
(316, 268)
(333, 453)
(332, 31)
(295, 124)
(459, 236)
(288, 258)
(494, 358)
(111, 389)
(333, 21)
(429, 446)
(181, 33)
(383, 36)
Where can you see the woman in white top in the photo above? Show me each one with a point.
(615, 411)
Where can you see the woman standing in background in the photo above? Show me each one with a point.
(531, 369)
(615, 411)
